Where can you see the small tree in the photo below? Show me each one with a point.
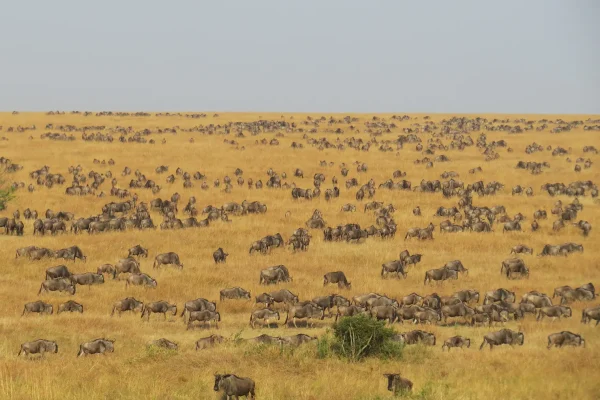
(6, 194)
(360, 336)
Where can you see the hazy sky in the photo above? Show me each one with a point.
(533, 56)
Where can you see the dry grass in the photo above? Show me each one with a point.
(133, 372)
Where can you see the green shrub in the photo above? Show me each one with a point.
(360, 336)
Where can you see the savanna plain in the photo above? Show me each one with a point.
(135, 371)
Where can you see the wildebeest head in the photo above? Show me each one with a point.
(520, 338)
(218, 380)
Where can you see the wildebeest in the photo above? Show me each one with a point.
(396, 266)
(87, 278)
(127, 304)
(565, 338)
(456, 265)
(308, 311)
(166, 259)
(70, 306)
(554, 312)
(234, 386)
(204, 317)
(521, 249)
(208, 342)
(265, 315)
(137, 250)
(275, 274)
(418, 336)
(234, 293)
(25, 251)
(126, 265)
(164, 343)
(337, 277)
(297, 340)
(59, 284)
(264, 298)
(97, 346)
(70, 253)
(140, 280)
(440, 274)
(37, 307)
(398, 384)
(386, 312)
(220, 256)
(589, 314)
(349, 311)
(499, 295)
(503, 336)
(539, 300)
(198, 304)
(40, 346)
(456, 341)
(60, 271)
(514, 266)
(158, 307)
(39, 253)
(511, 226)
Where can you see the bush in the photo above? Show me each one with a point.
(6, 195)
(360, 336)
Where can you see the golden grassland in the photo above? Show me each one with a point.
(134, 372)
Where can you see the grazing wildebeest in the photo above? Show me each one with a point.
(70, 253)
(554, 312)
(234, 293)
(166, 259)
(60, 271)
(337, 277)
(565, 338)
(265, 315)
(140, 280)
(308, 311)
(164, 343)
(589, 314)
(204, 316)
(158, 307)
(234, 386)
(456, 341)
(106, 269)
(457, 265)
(284, 296)
(88, 278)
(440, 274)
(198, 304)
(499, 295)
(521, 249)
(412, 259)
(208, 342)
(37, 307)
(514, 266)
(418, 336)
(273, 275)
(220, 256)
(396, 266)
(25, 251)
(264, 339)
(39, 253)
(70, 306)
(126, 265)
(297, 340)
(127, 304)
(137, 250)
(59, 284)
(398, 384)
(40, 346)
(97, 346)
(503, 336)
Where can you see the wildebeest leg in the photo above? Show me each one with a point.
(483, 343)
(294, 321)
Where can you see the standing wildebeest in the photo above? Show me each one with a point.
(539, 300)
(60, 271)
(70, 306)
(198, 304)
(337, 277)
(554, 312)
(511, 226)
(589, 314)
(308, 311)
(60, 284)
(39, 346)
(396, 266)
(265, 315)
(139, 280)
(88, 278)
(106, 269)
(426, 233)
(204, 316)
(25, 251)
(418, 336)
(384, 313)
(38, 307)
(398, 384)
(234, 293)
(275, 274)
(263, 298)
(456, 265)
(127, 304)
(166, 259)
(130, 265)
(521, 249)
(233, 386)
(284, 296)
(220, 256)
(158, 307)
(39, 253)
(137, 250)
(565, 338)
(349, 311)
(297, 340)
(456, 310)
(514, 266)
(440, 274)
(97, 346)
(503, 336)
(467, 295)
(456, 341)
(207, 342)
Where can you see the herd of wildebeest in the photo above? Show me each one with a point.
(128, 212)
